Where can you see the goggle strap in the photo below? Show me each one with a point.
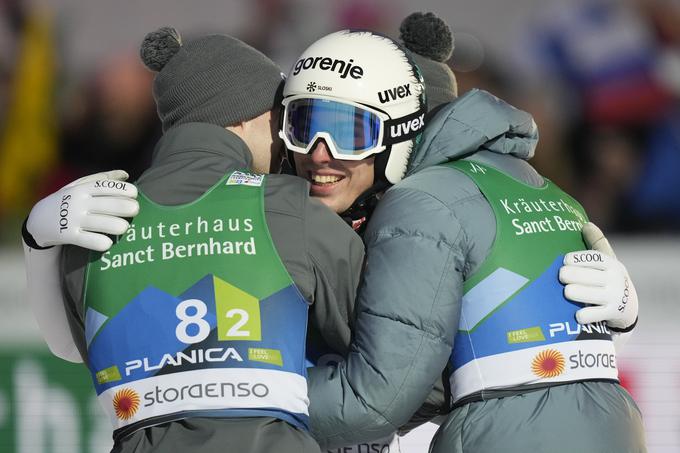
(405, 128)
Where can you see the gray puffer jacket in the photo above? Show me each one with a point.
(428, 233)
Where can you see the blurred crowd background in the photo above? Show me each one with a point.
(601, 77)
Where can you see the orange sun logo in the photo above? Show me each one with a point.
(126, 403)
(548, 364)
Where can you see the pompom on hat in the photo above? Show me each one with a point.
(213, 79)
(430, 42)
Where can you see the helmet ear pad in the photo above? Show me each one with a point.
(288, 165)
(380, 163)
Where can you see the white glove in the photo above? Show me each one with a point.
(83, 212)
(595, 277)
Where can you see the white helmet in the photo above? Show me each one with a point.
(360, 92)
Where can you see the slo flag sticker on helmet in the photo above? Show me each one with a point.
(369, 101)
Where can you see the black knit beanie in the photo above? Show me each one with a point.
(214, 79)
(430, 42)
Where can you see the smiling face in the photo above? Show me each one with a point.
(336, 183)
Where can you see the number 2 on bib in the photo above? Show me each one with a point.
(238, 314)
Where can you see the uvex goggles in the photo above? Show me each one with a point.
(352, 131)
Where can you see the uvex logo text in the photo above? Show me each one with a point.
(342, 67)
(394, 93)
(407, 127)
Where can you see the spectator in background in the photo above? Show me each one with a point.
(28, 130)
(655, 196)
(611, 163)
(603, 57)
(375, 15)
(476, 66)
(283, 27)
(112, 113)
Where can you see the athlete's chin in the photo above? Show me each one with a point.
(331, 200)
(328, 194)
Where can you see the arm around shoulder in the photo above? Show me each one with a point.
(46, 302)
(82, 213)
(407, 309)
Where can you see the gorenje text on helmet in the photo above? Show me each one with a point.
(328, 64)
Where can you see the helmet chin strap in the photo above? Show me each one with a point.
(358, 215)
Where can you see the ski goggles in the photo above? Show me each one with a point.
(351, 131)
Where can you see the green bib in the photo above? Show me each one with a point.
(192, 313)
(516, 326)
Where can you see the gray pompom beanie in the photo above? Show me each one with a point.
(430, 42)
(214, 79)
